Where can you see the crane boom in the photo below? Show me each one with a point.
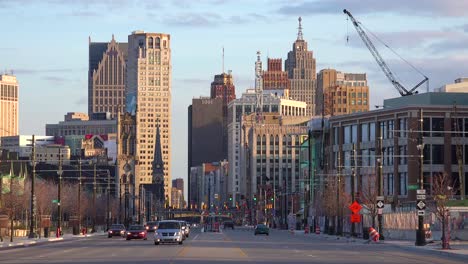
(400, 88)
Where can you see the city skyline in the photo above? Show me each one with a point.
(61, 84)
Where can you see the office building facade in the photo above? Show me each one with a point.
(9, 107)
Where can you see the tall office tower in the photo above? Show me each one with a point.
(343, 93)
(9, 109)
(223, 87)
(148, 96)
(178, 184)
(106, 77)
(300, 66)
(275, 79)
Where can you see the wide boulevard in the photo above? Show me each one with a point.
(230, 246)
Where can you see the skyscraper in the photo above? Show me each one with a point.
(274, 78)
(9, 110)
(300, 66)
(106, 77)
(148, 96)
(343, 93)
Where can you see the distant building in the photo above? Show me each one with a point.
(275, 79)
(71, 116)
(107, 77)
(300, 66)
(21, 144)
(223, 87)
(148, 97)
(208, 184)
(78, 125)
(177, 199)
(9, 107)
(459, 86)
(245, 105)
(343, 93)
(178, 184)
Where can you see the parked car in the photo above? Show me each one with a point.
(151, 226)
(116, 230)
(262, 229)
(228, 224)
(185, 228)
(169, 231)
(136, 232)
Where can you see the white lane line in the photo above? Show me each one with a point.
(195, 238)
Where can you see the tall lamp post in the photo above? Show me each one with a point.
(59, 209)
(380, 189)
(420, 235)
(108, 199)
(79, 197)
(33, 195)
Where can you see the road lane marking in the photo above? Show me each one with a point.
(242, 253)
(195, 238)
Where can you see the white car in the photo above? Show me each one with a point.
(169, 232)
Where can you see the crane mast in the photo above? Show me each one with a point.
(400, 88)
(258, 89)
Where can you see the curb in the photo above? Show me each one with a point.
(9, 245)
(431, 251)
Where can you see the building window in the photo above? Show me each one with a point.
(403, 183)
(437, 125)
(437, 154)
(364, 132)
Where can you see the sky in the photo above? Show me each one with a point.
(45, 44)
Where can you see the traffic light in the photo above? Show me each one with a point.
(230, 197)
(255, 198)
(272, 198)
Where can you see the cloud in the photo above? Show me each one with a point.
(211, 19)
(432, 8)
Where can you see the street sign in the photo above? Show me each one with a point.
(355, 207)
(380, 211)
(420, 197)
(55, 201)
(421, 191)
(421, 205)
(355, 218)
(381, 198)
(413, 187)
(380, 204)
(421, 212)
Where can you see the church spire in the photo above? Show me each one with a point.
(299, 33)
(158, 164)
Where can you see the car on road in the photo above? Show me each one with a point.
(136, 232)
(151, 226)
(262, 229)
(116, 230)
(228, 224)
(185, 228)
(169, 231)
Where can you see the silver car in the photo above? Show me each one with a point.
(169, 232)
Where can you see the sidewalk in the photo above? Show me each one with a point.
(26, 242)
(458, 249)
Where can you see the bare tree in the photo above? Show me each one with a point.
(13, 202)
(442, 189)
(369, 196)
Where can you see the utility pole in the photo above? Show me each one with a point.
(94, 200)
(338, 187)
(420, 235)
(353, 178)
(33, 195)
(380, 189)
(310, 180)
(108, 199)
(79, 196)
(59, 209)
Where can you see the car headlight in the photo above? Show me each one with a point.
(121, 232)
(110, 231)
(128, 233)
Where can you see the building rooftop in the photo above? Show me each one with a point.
(432, 98)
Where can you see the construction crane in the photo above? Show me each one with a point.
(258, 89)
(400, 88)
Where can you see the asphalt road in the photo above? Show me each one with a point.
(231, 246)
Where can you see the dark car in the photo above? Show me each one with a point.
(262, 229)
(136, 232)
(151, 226)
(228, 224)
(116, 230)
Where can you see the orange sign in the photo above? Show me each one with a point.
(355, 218)
(355, 207)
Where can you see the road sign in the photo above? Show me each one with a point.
(381, 198)
(55, 201)
(421, 212)
(380, 204)
(421, 205)
(355, 218)
(420, 197)
(380, 211)
(413, 187)
(421, 191)
(355, 207)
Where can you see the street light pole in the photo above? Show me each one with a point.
(380, 189)
(420, 235)
(79, 197)
(33, 195)
(94, 201)
(353, 177)
(59, 209)
(108, 199)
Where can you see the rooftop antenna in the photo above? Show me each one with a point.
(299, 33)
(259, 89)
(223, 59)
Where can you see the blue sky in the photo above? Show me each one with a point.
(45, 43)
